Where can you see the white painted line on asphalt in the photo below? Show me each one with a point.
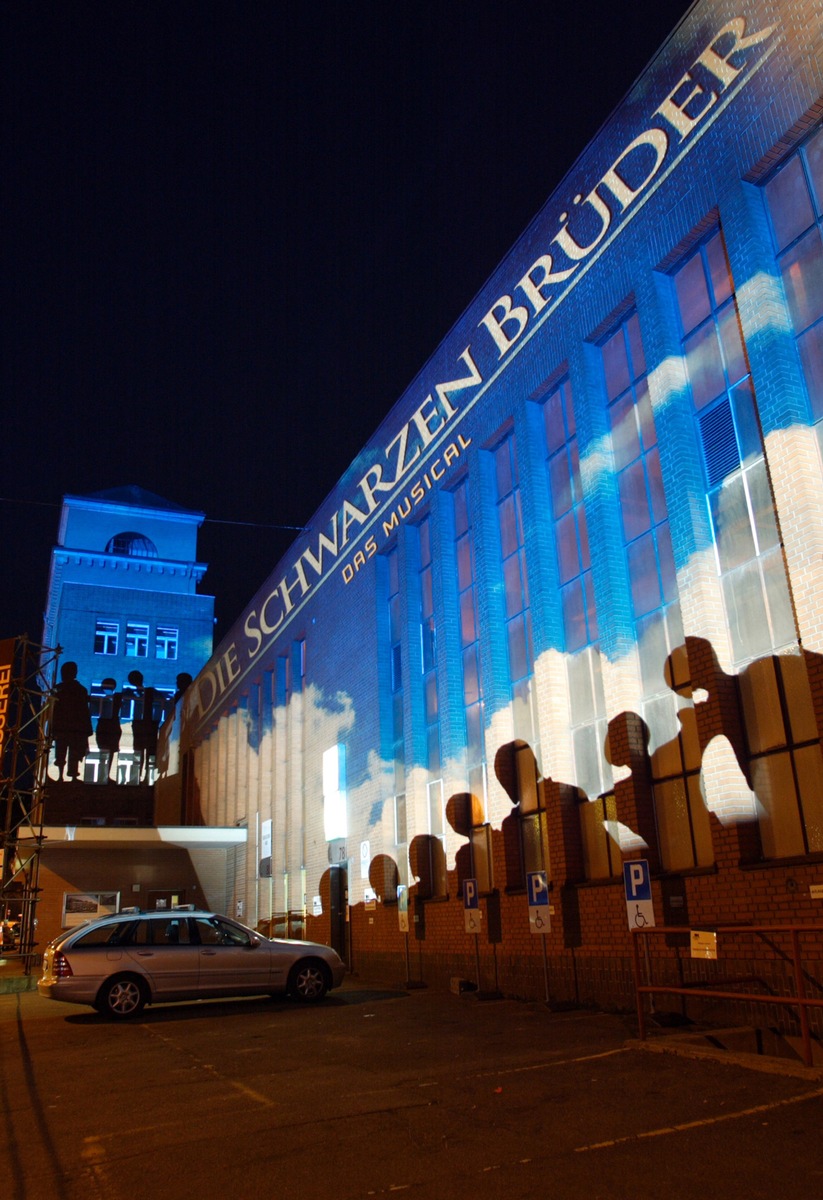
(235, 1084)
(744, 1112)
(546, 1065)
(96, 1170)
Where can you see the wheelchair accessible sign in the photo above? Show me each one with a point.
(538, 887)
(637, 881)
(472, 915)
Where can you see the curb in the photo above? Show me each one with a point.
(768, 1065)
(17, 983)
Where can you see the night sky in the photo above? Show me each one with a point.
(234, 233)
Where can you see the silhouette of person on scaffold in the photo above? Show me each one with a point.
(108, 730)
(182, 681)
(70, 722)
(167, 761)
(144, 726)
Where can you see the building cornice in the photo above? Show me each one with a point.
(63, 556)
(174, 515)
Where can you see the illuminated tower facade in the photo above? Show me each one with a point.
(123, 598)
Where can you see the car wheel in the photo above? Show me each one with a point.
(121, 997)
(309, 981)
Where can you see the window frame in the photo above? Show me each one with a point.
(104, 632)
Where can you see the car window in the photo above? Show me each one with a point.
(214, 932)
(142, 933)
(174, 932)
(105, 935)
(161, 931)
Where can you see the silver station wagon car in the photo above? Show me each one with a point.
(118, 964)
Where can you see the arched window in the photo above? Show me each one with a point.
(135, 545)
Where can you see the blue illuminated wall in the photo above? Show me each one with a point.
(564, 608)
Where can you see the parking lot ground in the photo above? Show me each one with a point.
(378, 1092)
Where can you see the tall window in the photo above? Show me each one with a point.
(335, 801)
(298, 652)
(428, 667)
(795, 201)
(137, 639)
(106, 636)
(785, 759)
(746, 538)
(399, 755)
(479, 834)
(783, 751)
(532, 797)
(290, 679)
(97, 694)
(637, 462)
(587, 704)
(516, 591)
(682, 819)
(469, 644)
(166, 641)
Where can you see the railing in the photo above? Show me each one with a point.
(799, 1000)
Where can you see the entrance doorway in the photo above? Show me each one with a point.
(339, 911)
(168, 899)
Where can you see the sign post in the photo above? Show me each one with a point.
(472, 920)
(637, 881)
(540, 915)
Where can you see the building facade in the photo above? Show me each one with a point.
(122, 597)
(564, 610)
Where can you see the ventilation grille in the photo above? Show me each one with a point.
(717, 435)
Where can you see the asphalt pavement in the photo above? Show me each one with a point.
(379, 1091)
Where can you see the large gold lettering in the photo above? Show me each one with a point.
(301, 582)
(444, 390)
(324, 542)
(350, 513)
(403, 465)
(254, 633)
(496, 325)
(621, 191)
(566, 242)
(422, 422)
(533, 290)
(718, 64)
(264, 622)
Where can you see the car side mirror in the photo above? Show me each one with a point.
(254, 942)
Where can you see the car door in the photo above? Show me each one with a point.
(232, 960)
(163, 948)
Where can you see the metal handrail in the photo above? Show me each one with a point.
(799, 1000)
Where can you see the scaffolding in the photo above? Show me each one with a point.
(27, 671)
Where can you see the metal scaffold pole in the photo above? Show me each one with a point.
(26, 684)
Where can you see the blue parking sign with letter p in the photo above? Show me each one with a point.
(637, 879)
(537, 883)
(472, 916)
(538, 886)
